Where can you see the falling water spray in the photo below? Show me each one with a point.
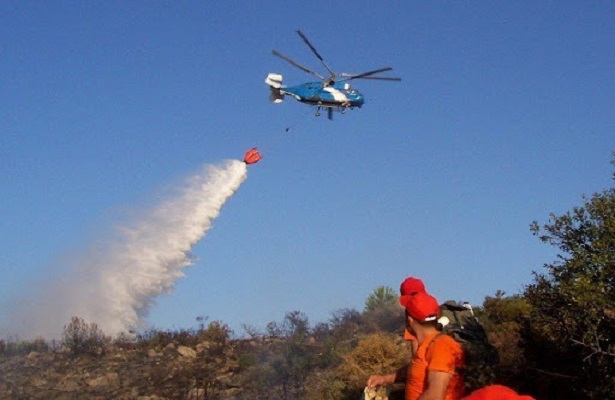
(116, 285)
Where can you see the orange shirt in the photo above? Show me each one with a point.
(496, 392)
(444, 355)
(408, 336)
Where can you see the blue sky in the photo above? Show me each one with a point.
(504, 114)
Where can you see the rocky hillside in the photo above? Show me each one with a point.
(289, 361)
(172, 371)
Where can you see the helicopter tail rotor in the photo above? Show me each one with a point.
(274, 80)
(275, 84)
(276, 96)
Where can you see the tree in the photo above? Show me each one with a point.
(378, 353)
(81, 338)
(505, 319)
(573, 303)
(382, 296)
(383, 312)
(284, 360)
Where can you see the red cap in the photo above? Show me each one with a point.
(411, 285)
(421, 306)
(496, 392)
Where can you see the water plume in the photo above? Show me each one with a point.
(116, 285)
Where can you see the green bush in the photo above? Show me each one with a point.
(83, 338)
(21, 347)
(378, 353)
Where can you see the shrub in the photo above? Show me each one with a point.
(83, 338)
(378, 353)
(20, 347)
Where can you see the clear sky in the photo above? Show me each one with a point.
(505, 114)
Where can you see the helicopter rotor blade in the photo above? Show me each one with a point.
(368, 75)
(305, 39)
(381, 78)
(296, 64)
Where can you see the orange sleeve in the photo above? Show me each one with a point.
(446, 355)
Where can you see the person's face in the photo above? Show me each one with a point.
(409, 323)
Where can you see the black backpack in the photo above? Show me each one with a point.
(481, 357)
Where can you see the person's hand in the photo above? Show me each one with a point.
(376, 380)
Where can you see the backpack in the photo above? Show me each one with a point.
(481, 357)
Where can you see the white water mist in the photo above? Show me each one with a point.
(116, 285)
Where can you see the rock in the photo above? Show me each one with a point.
(195, 394)
(97, 382)
(67, 384)
(113, 378)
(38, 382)
(186, 351)
(110, 379)
(204, 345)
(65, 396)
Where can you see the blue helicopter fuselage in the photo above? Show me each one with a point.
(338, 94)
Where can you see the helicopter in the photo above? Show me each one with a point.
(333, 92)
